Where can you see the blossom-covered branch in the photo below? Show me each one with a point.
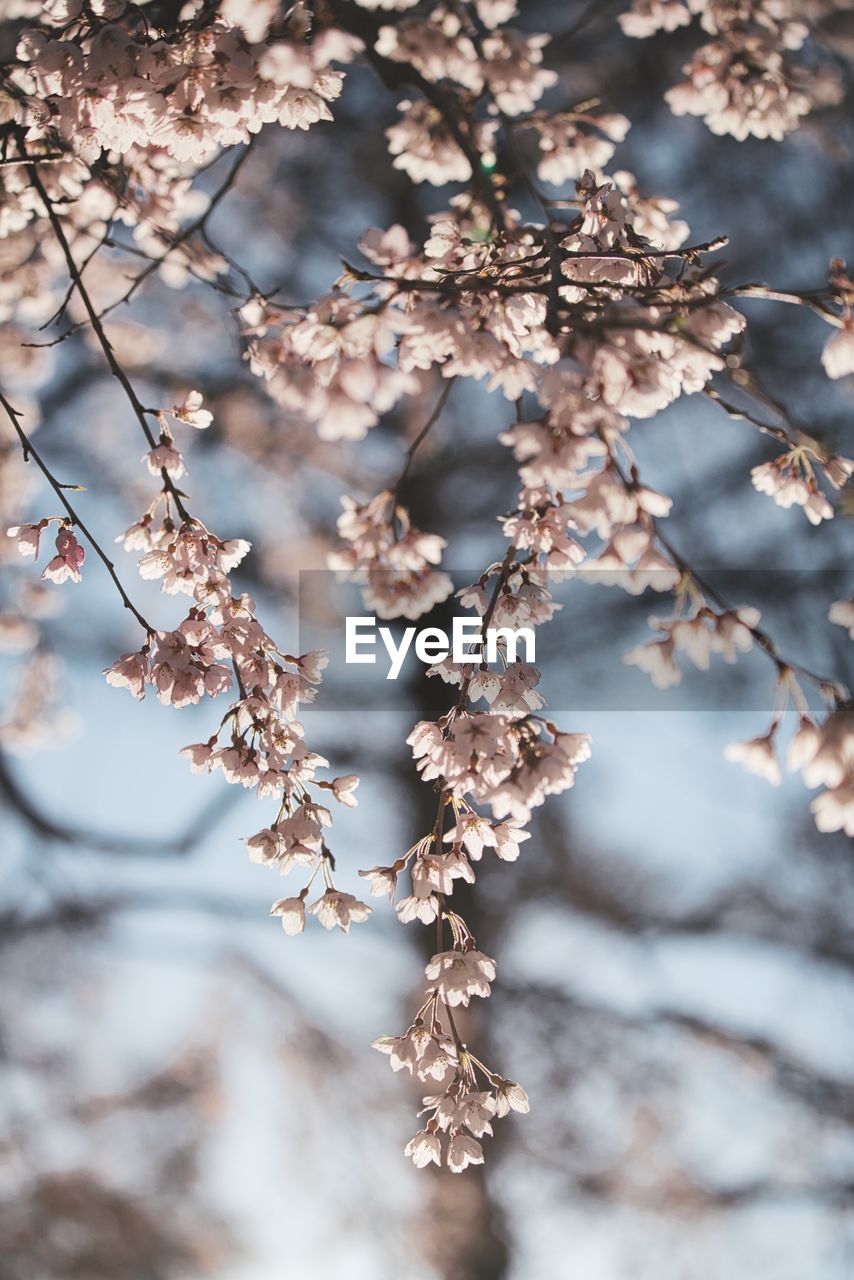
(588, 312)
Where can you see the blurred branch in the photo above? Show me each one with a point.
(824, 1094)
(78, 915)
(42, 824)
(689, 1194)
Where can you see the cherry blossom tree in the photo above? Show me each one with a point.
(547, 276)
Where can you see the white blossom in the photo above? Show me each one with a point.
(758, 756)
(292, 914)
(341, 909)
(459, 975)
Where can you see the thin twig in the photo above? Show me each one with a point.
(763, 641)
(191, 229)
(30, 451)
(422, 436)
(743, 415)
(109, 355)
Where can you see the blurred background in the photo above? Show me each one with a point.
(185, 1092)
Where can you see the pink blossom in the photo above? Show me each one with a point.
(132, 671)
(510, 1096)
(475, 1112)
(838, 354)
(584, 323)
(266, 846)
(199, 755)
(420, 1051)
(508, 837)
(824, 752)
(343, 788)
(165, 457)
(68, 559)
(27, 537)
(311, 666)
(657, 661)
(474, 833)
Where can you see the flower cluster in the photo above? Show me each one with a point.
(823, 753)
(66, 563)
(327, 365)
(505, 307)
(465, 1095)
(742, 81)
(791, 479)
(115, 86)
(699, 635)
(602, 319)
(424, 146)
(393, 560)
(127, 114)
(574, 141)
(259, 743)
(503, 63)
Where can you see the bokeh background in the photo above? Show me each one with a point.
(185, 1092)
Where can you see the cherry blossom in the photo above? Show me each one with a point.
(459, 975)
(834, 808)
(791, 479)
(842, 613)
(291, 912)
(423, 1149)
(341, 909)
(758, 756)
(424, 146)
(698, 636)
(463, 1151)
(740, 82)
(65, 565)
(132, 672)
(838, 354)
(391, 558)
(574, 142)
(27, 538)
(191, 412)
